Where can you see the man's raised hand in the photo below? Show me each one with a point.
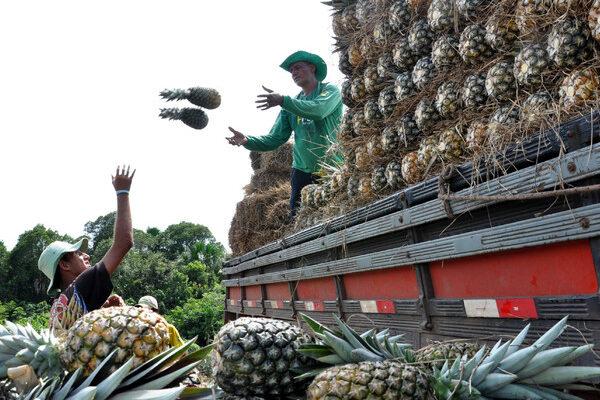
(238, 138)
(271, 99)
(122, 180)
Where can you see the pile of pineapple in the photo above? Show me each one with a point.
(437, 82)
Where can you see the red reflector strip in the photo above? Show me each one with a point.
(275, 303)
(314, 306)
(500, 308)
(377, 306)
(232, 302)
(251, 303)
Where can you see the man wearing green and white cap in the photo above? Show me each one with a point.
(313, 115)
(83, 288)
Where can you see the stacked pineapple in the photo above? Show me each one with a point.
(441, 82)
(193, 117)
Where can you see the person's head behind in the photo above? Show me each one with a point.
(148, 302)
(62, 262)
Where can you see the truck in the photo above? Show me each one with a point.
(475, 253)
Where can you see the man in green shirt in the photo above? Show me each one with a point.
(313, 115)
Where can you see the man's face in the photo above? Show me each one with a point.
(78, 261)
(302, 72)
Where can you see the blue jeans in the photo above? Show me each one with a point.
(298, 180)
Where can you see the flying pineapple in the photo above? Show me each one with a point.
(192, 117)
(198, 96)
(255, 356)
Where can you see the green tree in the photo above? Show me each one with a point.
(25, 281)
(100, 229)
(179, 239)
(200, 317)
(4, 273)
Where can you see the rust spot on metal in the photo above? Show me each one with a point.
(571, 167)
(408, 254)
(402, 196)
(400, 219)
(585, 223)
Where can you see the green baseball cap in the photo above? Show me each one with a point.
(320, 72)
(149, 302)
(52, 254)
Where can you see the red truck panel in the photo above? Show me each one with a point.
(391, 283)
(552, 270)
(278, 291)
(253, 292)
(316, 289)
(235, 293)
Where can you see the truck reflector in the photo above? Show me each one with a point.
(500, 308)
(377, 306)
(314, 306)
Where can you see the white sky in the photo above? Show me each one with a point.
(80, 83)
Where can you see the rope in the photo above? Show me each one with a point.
(528, 196)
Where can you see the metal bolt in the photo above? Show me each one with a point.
(571, 133)
(571, 167)
(585, 223)
(400, 219)
(402, 196)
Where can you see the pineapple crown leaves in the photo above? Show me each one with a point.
(198, 96)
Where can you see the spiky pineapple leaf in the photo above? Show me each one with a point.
(317, 327)
(191, 393)
(108, 385)
(100, 371)
(163, 378)
(70, 379)
(162, 394)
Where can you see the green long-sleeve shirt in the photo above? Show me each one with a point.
(313, 118)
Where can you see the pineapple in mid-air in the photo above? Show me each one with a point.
(198, 96)
(579, 88)
(531, 65)
(256, 356)
(500, 81)
(473, 91)
(473, 47)
(192, 117)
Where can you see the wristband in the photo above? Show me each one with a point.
(122, 192)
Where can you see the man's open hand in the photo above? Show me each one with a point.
(271, 99)
(122, 180)
(114, 300)
(238, 138)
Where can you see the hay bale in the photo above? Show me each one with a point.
(262, 181)
(255, 159)
(260, 219)
(279, 160)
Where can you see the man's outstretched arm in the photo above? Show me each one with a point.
(123, 238)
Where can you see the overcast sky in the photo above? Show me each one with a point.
(80, 83)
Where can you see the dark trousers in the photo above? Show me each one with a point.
(298, 180)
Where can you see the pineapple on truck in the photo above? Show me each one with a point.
(313, 115)
(81, 287)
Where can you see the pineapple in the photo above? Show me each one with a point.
(367, 47)
(371, 112)
(361, 157)
(374, 147)
(451, 144)
(501, 32)
(412, 168)
(358, 90)
(393, 174)
(578, 88)
(408, 131)
(445, 53)
(363, 11)
(255, 356)
(354, 55)
(378, 179)
(536, 106)
(500, 81)
(505, 371)
(500, 123)
(337, 24)
(440, 15)
(364, 186)
(528, 14)
(344, 64)
(404, 86)
(473, 48)
(469, 8)
(423, 72)
(428, 152)
(531, 64)
(373, 82)
(382, 33)
(390, 139)
(473, 90)
(418, 6)
(477, 134)
(198, 96)
(447, 101)
(347, 93)
(399, 16)
(358, 121)
(192, 117)
(420, 38)
(594, 20)
(352, 187)
(349, 20)
(403, 56)
(437, 353)
(387, 101)
(317, 196)
(346, 127)
(426, 115)
(386, 67)
(569, 43)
